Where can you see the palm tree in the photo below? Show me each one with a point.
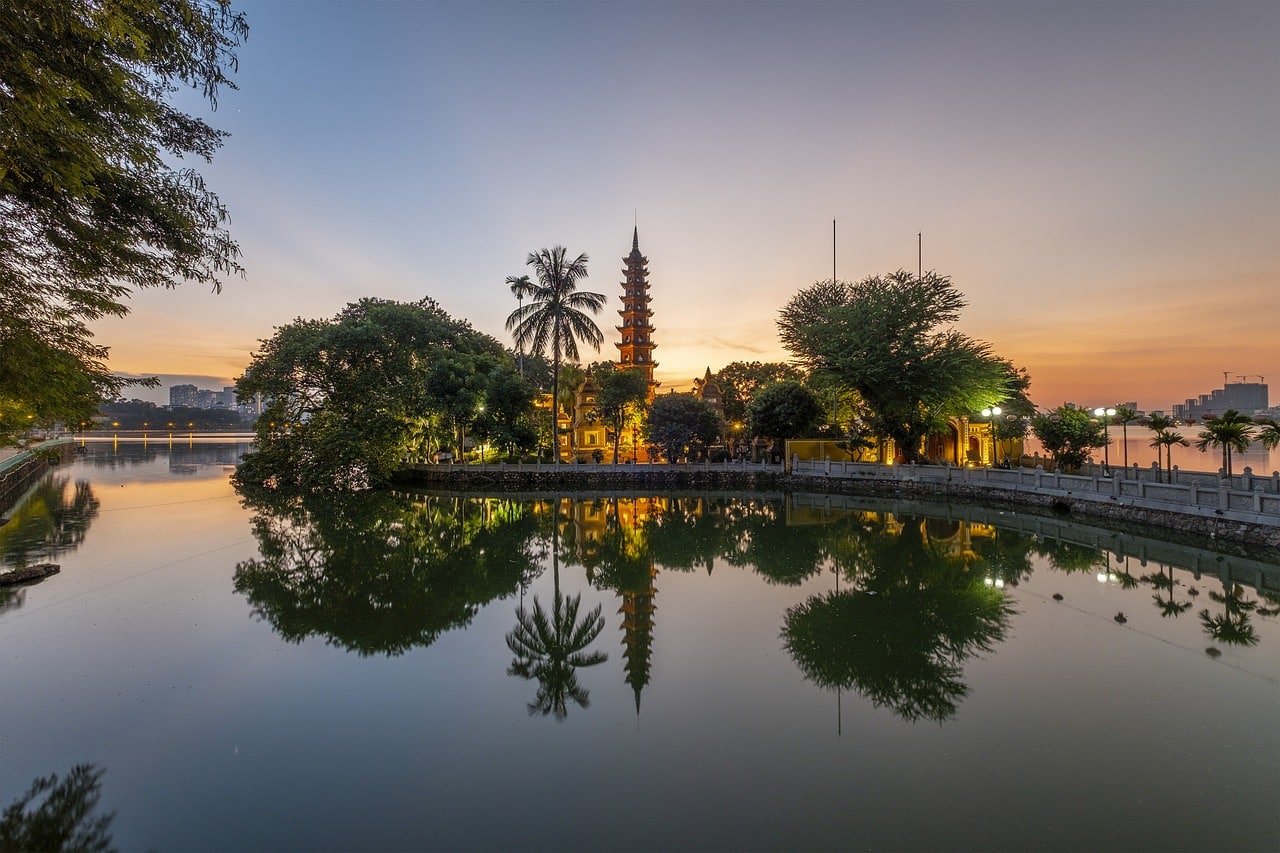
(1124, 416)
(555, 317)
(1230, 431)
(1167, 439)
(1268, 432)
(520, 285)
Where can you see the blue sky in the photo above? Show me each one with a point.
(1100, 179)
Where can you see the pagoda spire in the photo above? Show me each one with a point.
(635, 333)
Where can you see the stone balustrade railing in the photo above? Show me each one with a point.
(1245, 498)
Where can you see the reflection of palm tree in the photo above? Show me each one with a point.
(1169, 606)
(551, 648)
(1233, 626)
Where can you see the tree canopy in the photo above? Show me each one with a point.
(888, 339)
(680, 424)
(784, 410)
(92, 206)
(1070, 436)
(740, 380)
(345, 399)
(622, 395)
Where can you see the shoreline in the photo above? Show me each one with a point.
(1215, 530)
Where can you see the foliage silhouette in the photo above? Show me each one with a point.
(64, 817)
(902, 636)
(555, 318)
(550, 648)
(382, 573)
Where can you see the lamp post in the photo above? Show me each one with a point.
(1106, 415)
(991, 414)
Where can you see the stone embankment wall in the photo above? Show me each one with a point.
(23, 470)
(739, 479)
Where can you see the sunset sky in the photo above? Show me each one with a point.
(1101, 180)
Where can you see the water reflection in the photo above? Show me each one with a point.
(901, 634)
(382, 573)
(59, 814)
(914, 594)
(551, 648)
(53, 519)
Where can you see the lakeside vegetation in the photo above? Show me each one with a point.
(92, 212)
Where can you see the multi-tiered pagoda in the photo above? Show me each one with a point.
(635, 349)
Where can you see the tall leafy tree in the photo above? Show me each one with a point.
(344, 398)
(784, 410)
(680, 422)
(622, 394)
(1070, 436)
(1230, 431)
(886, 337)
(92, 206)
(556, 317)
(508, 411)
(740, 380)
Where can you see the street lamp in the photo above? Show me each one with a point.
(991, 414)
(1106, 415)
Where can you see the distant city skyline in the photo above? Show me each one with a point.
(1099, 180)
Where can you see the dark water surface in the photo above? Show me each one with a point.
(409, 671)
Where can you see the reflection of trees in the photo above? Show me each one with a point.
(54, 519)
(902, 635)
(780, 553)
(64, 818)
(1233, 625)
(1070, 557)
(382, 572)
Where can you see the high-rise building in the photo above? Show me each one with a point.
(1247, 398)
(183, 395)
(635, 349)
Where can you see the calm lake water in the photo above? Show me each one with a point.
(709, 672)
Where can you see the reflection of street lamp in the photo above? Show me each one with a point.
(991, 414)
(1106, 415)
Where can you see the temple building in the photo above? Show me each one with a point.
(635, 347)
